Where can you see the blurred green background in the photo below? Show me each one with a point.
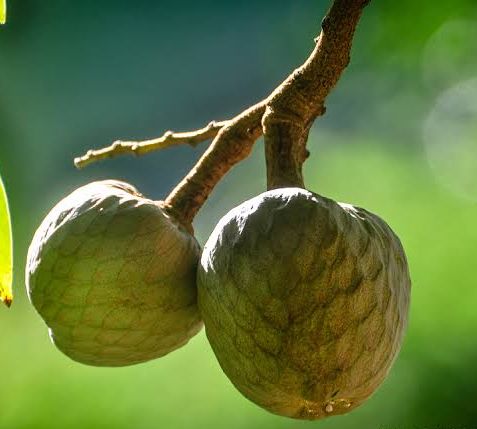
(399, 138)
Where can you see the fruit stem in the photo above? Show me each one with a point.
(232, 144)
(285, 118)
(299, 100)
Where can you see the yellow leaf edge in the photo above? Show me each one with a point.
(3, 11)
(6, 295)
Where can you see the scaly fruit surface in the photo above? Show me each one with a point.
(113, 276)
(305, 301)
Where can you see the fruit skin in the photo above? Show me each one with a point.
(113, 276)
(305, 301)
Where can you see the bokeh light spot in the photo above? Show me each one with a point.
(450, 138)
(450, 54)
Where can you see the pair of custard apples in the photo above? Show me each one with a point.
(304, 300)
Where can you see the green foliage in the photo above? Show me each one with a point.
(6, 262)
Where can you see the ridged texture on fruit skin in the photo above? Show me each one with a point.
(304, 301)
(114, 277)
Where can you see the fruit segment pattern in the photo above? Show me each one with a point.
(304, 300)
(113, 276)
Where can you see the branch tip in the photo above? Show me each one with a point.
(284, 117)
(137, 148)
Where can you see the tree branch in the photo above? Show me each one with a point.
(285, 117)
(233, 143)
(296, 103)
(137, 148)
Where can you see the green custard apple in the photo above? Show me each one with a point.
(113, 275)
(305, 301)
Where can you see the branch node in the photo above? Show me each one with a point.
(169, 138)
(296, 103)
(285, 119)
(325, 22)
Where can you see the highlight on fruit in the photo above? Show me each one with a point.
(113, 276)
(304, 300)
